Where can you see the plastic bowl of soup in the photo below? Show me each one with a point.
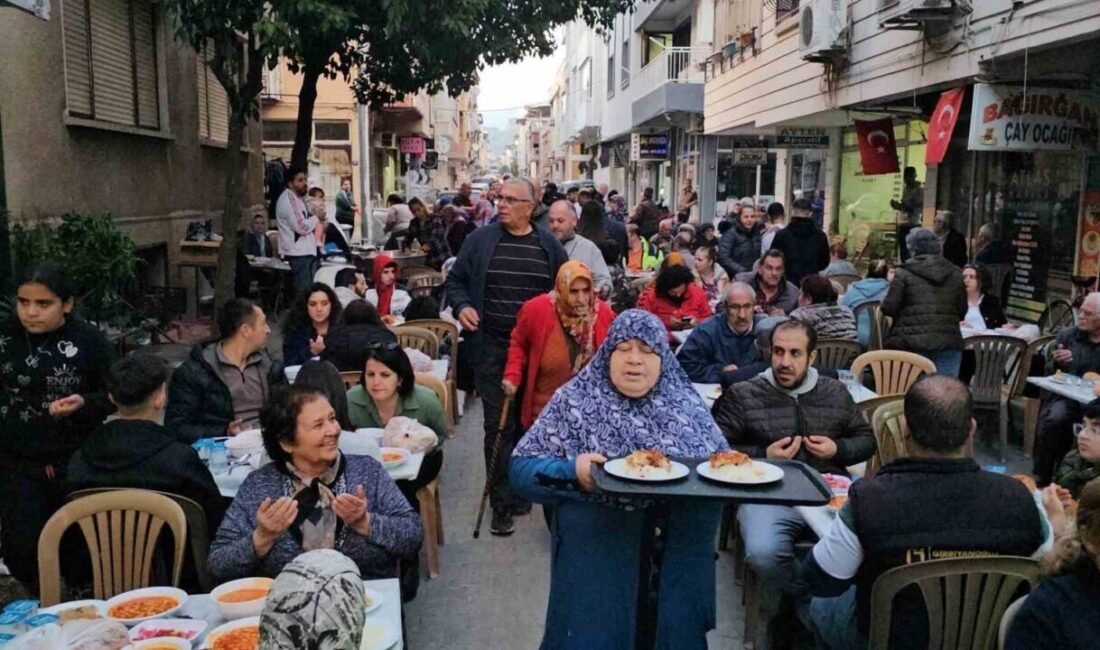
(139, 605)
(242, 634)
(241, 598)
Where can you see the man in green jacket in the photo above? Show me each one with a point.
(1082, 464)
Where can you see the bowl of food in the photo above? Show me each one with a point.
(184, 629)
(241, 598)
(139, 605)
(241, 634)
(166, 643)
(394, 456)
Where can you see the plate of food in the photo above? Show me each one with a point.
(77, 610)
(1058, 377)
(241, 634)
(394, 456)
(737, 468)
(187, 629)
(139, 605)
(377, 636)
(838, 485)
(646, 465)
(372, 600)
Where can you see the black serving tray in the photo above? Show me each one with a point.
(801, 485)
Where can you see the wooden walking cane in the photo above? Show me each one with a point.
(491, 474)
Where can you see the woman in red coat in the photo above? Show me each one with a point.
(542, 357)
(675, 298)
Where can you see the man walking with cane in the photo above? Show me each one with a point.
(501, 266)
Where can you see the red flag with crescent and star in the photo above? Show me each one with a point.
(878, 151)
(942, 125)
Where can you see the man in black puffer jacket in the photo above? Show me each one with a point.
(219, 391)
(927, 300)
(739, 247)
(803, 243)
(789, 412)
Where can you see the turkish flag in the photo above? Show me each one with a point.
(878, 151)
(942, 125)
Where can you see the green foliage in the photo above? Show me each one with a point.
(91, 250)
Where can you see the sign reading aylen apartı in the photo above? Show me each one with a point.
(1012, 118)
(794, 138)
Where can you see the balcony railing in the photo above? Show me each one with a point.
(673, 65)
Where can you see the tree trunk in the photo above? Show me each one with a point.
(303, 136)
(225, 289)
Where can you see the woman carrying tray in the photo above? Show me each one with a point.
(633, 395)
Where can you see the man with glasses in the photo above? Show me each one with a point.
(1075, 352)
(1082, 464)
(501, 266)
(720, 346)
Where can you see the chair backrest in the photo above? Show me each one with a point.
(999, 276)
(121, 528)
(409, 271)
(1040, 347)
(423, 284)
(844, 279)
(886, 423)
(894, 371)
(198, 535)
(441, 328)
(418, 338)
(836, 354)
(996, 358)
(871, 310)
(1006, 621)
(273, 242)
(351, 377)
(966, 598)
(1057, 315)
(441, 391)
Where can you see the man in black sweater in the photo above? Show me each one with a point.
(935, 503)
(804, 245)
(133, 451)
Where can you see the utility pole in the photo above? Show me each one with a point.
(366, 220)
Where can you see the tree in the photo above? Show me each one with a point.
(236, 39)
(400, 47)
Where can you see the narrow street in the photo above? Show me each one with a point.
(492, 591)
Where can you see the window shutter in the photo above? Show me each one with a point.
(112, 62)
(213, 101)
(78, 72)
(145, 49)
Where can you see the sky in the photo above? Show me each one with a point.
(513, 85)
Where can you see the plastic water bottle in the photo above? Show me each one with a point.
(219, 458)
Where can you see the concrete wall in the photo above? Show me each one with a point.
(776, 85)
(153, 184)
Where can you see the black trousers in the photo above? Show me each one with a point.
(1054, 436)
(488, 373)
(28, 498)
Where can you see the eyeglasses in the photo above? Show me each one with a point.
(512, 200)
(1087, 429)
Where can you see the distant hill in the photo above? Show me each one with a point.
(499, 138)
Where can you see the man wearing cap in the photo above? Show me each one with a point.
(804, 245)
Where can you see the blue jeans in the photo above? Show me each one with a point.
(947, 361)
(769, 533)
(834, 622)
(302, 268)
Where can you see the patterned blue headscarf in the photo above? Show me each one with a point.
(588, 415)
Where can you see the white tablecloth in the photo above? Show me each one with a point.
(389, 613)
(682, 335)
(858, 392)
(1082, 394)
(229, 482)
(440, 368)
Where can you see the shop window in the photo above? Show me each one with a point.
(111, 62)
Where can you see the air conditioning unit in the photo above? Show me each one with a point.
(385, 140)
(695, 123)
(315, 155)
(823, 30)
(913, 14)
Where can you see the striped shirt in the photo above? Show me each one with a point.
(518, 271)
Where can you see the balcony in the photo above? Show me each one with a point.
(671, 82)
(272, 85)
(409, 106)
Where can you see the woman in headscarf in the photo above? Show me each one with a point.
(542, 357)
(388, 298)
(633, 395)
(674, 297)
(616, 208)
(316, 603)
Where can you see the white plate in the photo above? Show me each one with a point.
(394, 450)
(617, 468)
(378, 636)
(100, 605)
(179, 594)
(251, 621)
(193, 627)
(772, 473)
(375, 599)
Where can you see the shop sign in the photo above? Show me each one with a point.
(648, 146)
(750, 157)
(792, 138)
(1006, 118)
(1088, 240)
(414, 146)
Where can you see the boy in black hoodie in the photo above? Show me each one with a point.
(133, 451)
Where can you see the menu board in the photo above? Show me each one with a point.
(1027, 292)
